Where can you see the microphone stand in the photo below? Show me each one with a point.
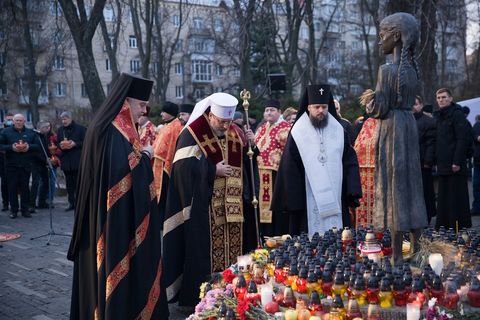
(51, 174)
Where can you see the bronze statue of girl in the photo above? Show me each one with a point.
(399, 202)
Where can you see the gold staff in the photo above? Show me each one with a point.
(245, 95)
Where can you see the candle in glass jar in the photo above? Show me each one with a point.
(413, 311)
(266, 294)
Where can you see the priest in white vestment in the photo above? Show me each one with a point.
(318, 173)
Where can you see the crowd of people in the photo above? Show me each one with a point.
(188, 183)
(35, 154)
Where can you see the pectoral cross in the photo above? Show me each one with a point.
(321, 91)
(208, 143)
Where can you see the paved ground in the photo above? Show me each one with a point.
(35, 278)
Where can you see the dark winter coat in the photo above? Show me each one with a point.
(70, 158)
(426, 136)
(9, 136)
(476, 145)
(454, 136)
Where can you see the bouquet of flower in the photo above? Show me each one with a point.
(217, 301)
(435, 313)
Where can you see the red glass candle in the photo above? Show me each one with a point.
(279, 273)
(301, 285)
(400, 297)
(372, 295)
(417, 298)
(241, 288)
(474, 293)
(450, 300)
(315, 305)
(289, 300)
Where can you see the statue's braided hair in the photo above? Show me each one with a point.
(407, 26)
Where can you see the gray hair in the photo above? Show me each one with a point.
(66, 114)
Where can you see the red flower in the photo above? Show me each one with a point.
(242, 308)
(228, 275)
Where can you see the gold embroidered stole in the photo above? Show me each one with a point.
(227, 191)
(226, 207)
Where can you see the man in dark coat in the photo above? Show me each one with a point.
(476, 167)
(3, 174)
(453, 140)
(19, 144)
(204, 216)
(318, 173)
(70, 140)
(116, 245)
(426, 136)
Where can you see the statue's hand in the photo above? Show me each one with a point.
(369, 107)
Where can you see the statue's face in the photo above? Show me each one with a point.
(388, 40)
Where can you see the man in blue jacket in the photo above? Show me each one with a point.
(19, 143)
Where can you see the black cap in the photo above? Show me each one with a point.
(272, 103)
(170, 108)
(318, 94)
(186, 107)
(140, 88)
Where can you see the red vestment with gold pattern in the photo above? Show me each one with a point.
(270, 140)
(365, 148)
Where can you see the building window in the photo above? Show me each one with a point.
(199, 93)
(304, 33)
(132, 42)
(83, 91)
(60, 89)
(218, 89)
(108, 13)
(134, 66)
(179, 92)
(176, 20)
(178, 68)
(218, 25)
(236, 72)
(198, 23)
(2, 58)
(201, 71)
(155, 67)
(179, 45)
(218, 70)
(108, 67)
(58, 63)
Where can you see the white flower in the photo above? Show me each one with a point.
(432, 302)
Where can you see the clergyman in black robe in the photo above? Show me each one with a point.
(116, 245)
(204, 225)
(290, 192)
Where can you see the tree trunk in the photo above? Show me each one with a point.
(83, 28)
(33, 92)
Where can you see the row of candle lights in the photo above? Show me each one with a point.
(333, 266)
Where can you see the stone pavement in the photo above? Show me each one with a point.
(35, 278)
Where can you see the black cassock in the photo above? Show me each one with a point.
(116, 245)
(289, 196)
(187, 237)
